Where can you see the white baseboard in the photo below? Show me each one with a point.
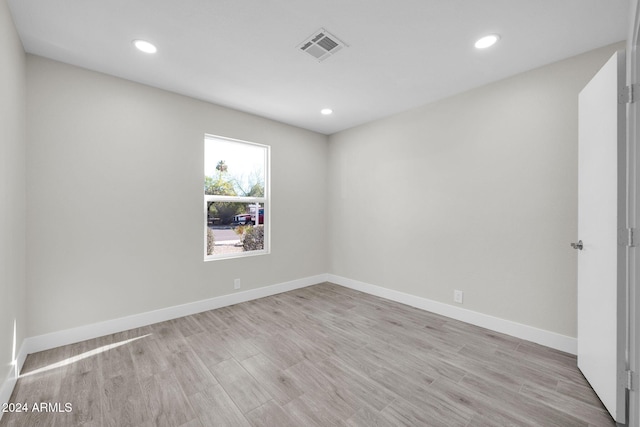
(81, 333)
(7, 386)
(94, 330)
(518, 330)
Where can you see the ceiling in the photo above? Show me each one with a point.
(243, 53)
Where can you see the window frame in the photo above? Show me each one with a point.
(265, 201)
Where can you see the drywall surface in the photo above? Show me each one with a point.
(115, 206)
(12, 193)
(476, 193)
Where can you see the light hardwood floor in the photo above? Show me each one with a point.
(319, 356)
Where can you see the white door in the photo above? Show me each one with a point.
(633, 138)
(601, 214)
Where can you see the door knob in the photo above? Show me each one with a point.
(578, 245)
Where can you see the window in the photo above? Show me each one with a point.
(236, 198)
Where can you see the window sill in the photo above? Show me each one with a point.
(236, 255)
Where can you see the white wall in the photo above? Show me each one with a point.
(477, 192)
(12, 196)
(115, 179)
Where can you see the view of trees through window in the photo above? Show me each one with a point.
(235, 192)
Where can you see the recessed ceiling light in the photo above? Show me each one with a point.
(487, 41)
(145, 46)
(326, 111)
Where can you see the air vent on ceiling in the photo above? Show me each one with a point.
(321, 45)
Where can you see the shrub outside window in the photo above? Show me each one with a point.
(236, 198)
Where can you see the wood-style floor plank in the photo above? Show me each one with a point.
(277, 383)
(241, 387)
(168, 406)
(318, 356)
(271, 414)
(214, 407)
(123, 402)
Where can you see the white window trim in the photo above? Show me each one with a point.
(265, 201)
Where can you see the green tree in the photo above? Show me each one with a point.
(222, 185)
(252, 186)
(218, 187)
(256, 191)
(221, 167)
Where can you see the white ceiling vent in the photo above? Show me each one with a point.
(321, 45)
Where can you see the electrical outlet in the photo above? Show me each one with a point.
(236, 284)
(457, 296)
